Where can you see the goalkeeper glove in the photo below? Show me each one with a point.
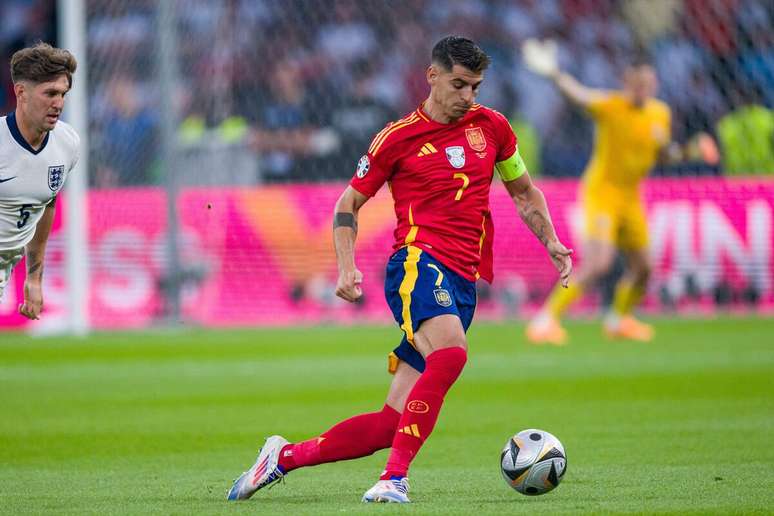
(541, 57)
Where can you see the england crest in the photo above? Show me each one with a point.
(55, 177)
(456, 156)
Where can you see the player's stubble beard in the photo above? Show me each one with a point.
(43, 123)
(454, 110)
(51, 116)
(462, 110)
(457, 110)
(459, 107)
(50, 120)
(40, 119)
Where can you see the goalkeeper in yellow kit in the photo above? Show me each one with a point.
(632, 132)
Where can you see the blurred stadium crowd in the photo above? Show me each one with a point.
(297, 88)
(23, 21)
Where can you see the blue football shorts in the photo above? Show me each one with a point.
(419, 287)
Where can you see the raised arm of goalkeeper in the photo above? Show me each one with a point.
(541, 57)
(639, 85)
(574, 91)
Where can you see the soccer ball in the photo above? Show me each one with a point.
(533, 462)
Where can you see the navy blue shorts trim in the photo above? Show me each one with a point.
(419, 287)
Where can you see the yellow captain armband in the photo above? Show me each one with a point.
(511, 168)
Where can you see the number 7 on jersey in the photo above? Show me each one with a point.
(465, 183)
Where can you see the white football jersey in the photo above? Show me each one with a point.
(30, 179)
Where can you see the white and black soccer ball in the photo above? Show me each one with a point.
(533, 462)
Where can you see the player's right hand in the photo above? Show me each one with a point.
(348, 287)
(541, 57)
(33, 300)
(561, 256)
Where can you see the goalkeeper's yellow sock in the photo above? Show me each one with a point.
(561, 298)
(626, 297)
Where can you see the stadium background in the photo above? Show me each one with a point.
(254, 125)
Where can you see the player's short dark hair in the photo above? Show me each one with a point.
(42, 63)
(453, 50)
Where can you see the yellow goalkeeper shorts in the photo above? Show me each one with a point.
(615, 218)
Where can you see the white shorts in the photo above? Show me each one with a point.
(8, 261)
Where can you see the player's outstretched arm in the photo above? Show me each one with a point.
(541, 57)
(533, 210)
(35, 251)
(576, 92)
(344, 234)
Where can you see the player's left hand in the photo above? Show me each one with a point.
(561, 256)
(33, 300)
(349, 286)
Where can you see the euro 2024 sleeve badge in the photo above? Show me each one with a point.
(362, 167)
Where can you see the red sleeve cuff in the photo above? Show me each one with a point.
(361, 188)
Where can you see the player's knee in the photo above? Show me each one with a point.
(457, 341)
(644, 273)
(600, 267)
(606, 263)
(593, 274)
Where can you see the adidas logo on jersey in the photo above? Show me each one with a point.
(427, 149)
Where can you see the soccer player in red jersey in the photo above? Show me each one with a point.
(439, 162)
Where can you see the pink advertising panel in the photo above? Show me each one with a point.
(264, 255)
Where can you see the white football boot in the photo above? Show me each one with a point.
(264, 472)
(394, 490)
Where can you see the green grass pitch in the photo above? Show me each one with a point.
(162, 422)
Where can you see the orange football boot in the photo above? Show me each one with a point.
(629, 328)
(546, 331)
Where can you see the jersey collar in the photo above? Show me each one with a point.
(17, 135)
(426, 117)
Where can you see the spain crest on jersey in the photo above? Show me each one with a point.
(456, 156)
(55, 177)
(475, 138)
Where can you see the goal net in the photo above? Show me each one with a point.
(222, 132)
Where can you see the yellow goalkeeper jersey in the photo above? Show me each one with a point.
(627, 141)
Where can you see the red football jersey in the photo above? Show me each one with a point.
(439, 176)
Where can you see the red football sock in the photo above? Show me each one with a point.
(355, 437)
(422, 408)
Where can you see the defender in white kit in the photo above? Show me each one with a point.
(37, 153)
